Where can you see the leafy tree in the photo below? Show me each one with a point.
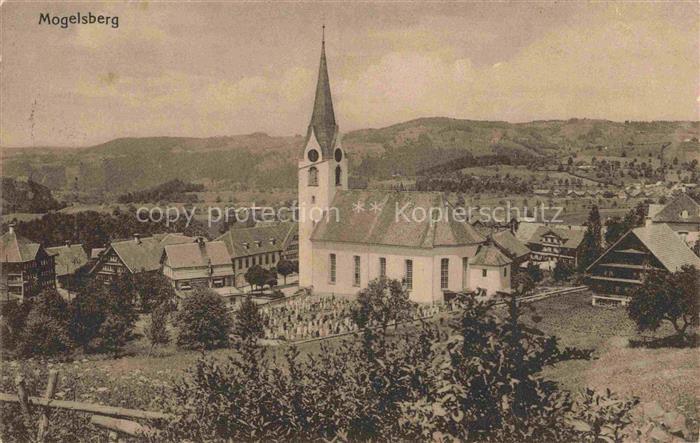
(285, 268)
(534, 271)
(383, 301)
(256, 275)
(157, 330)
(248, 323)
(103, 317)
(12, 321)
(203, 321)
(562, 270)
(617, 227)
(153, 289)
(664, 296)
(45, 331)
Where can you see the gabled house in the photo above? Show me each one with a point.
(26, 268)
(623, 265)
(198, 264)
(682, 215)
(551, 244)
(261, 245)
(514, 249)
(69, 259)
(134, 255)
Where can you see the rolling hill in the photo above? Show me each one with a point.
(263, 161)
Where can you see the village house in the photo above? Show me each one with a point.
(198, 264)
(514, 249)
(682, 215)
(69, 258)
(358, 236)
(550, 244)
(134, 256)
(260, 245)
(26, 268)
(623, 265)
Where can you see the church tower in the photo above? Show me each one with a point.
(323, 168)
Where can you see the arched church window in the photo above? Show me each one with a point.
(313, 176)
(338, 174)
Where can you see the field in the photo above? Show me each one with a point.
(666, 375)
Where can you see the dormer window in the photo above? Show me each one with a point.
(684, 214)
(258, 243)
(273, 241)
(246, 245)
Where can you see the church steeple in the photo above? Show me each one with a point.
(322, 122)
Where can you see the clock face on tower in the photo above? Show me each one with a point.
(313, 155)
(338, 155)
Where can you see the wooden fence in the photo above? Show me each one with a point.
(106, 417)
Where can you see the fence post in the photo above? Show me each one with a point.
(22, 395)
(48, 394)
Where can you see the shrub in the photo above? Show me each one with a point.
(670, 297)
(45, 331)
(481, 383)
(14, 316)
(157, 330)
(562, 270)
(203, 321)
(103, 318)
(248, 323)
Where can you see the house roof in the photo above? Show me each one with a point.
(95, 253)
(386, 218)
(68, 258)
(196, 254)
(145, 254)
(17, 249)
(323, 124)
(663, 243)
(514, 247)
(653, 210)
(490, 255)
(526, 230)
(257, 240)
(572, 237)
(673, 212)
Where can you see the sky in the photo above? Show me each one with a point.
(217, 68)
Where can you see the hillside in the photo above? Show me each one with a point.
(263, 161)
(27, 197)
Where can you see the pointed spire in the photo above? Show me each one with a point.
(323, 117)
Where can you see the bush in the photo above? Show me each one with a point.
(46, 329)
(482, 383)
(203, 321)
(248, 323)
(157, 330)
(14, 316)
(670, 297)
(562, 270)
(103, 318)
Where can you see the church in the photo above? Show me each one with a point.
(359, 235)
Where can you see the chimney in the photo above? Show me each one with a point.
(200, 242)
(137, 238)
(11, 228)
(67, 242)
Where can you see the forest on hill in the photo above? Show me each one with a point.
(27, 196)
(267, 162)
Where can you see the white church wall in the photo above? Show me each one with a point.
(493, 282)
(426, 268)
